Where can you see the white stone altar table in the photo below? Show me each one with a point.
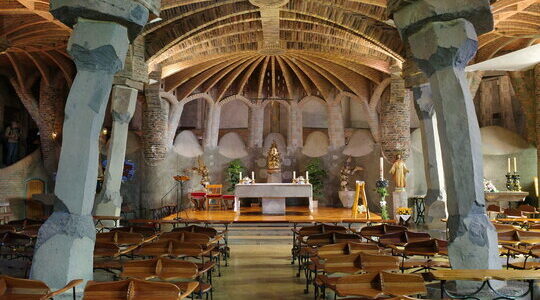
(503, 198)
(273, 195)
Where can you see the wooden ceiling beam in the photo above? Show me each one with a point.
(301, 76)
(262, 74)
(287, 76)
(247, 75)
(227, 82)
(334, 80)
(322, 84)
(210, 83)
(42, 67)
(65, 65)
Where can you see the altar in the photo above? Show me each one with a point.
(273, 195)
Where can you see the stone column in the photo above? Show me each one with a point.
(537, 102)
(443, 40)
(336, 130)
(433, 164)
(256, 126)
(124, 100)
(396, 118)
(212, 127)
(64, 247)
(295, 128)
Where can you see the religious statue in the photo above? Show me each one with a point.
(273, 159)
(202, 170)
(399, 171)
(346, 172)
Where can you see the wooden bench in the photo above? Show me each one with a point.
(135, 289)
(15, 288)
(146, 231)
(122, 239)
(527, 252)
(213, 234)
(428, 249)
(381, 284)
(299, 235)
(402, 238)
(372, 233)
(107, 256)
(485, 276)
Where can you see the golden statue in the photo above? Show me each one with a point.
(399, 171)
(202, 170)
(273, 159)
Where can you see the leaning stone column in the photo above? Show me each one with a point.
(212, 127)
(443, 40)
(433, 164)
(64, 248)
(124, 100)
(295, 127)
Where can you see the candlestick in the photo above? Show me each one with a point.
(509, 169)
(515, 165)
(381, 167)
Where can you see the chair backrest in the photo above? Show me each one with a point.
(380, 230)
(13, 239)
(526, 208)
(376, 285)
(503, 227)
(318, 240)
(155, 249)
(512, 212)
(377, 263)
(396, 238)
(369, 248)
(508, 236)
(15, 288)
(413, 237)
(174, 269)
(181, 249)
(428, 248)
(6, 228)
(527, 235)
(346, 238)
(342, 263)
(131, 289)
(214, 189)
(364, 285)
(140, 269)
(146, 231)
(402, 284)
(327, 251)
(187, 237)
(31, 230)
(209, 231)
(106, 250)
(120, 238)
(21, 224)
(494, 208)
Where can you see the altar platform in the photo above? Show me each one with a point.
(293, 214)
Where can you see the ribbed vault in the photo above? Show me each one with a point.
(32, 41)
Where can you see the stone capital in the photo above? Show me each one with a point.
(132, 14)
(124, 100)
(439, 45)
(98, 46)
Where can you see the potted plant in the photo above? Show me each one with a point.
(233, 174)
(404, 214)
(317, 175)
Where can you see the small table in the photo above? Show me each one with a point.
(503, 198)
(99, 222)
(485, 276)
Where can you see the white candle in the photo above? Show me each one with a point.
(253, 175)
(381, 167)
(509, 169)
(294, 174)
(515, 165)
(307, 176)
(240, 176)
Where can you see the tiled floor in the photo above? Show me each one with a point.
(260, 272)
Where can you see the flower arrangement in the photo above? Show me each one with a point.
(489, 187)
(382, 189)
(233, 174)
(181, 178)
(404, 211)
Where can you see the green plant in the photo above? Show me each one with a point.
(233, 174)
(317, 175)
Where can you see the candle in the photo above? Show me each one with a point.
(294, 174)
(509, 169)
(240, 177)
(515, 165)
(253, 175)
(381, 167)
(307, 176)
(536, 185)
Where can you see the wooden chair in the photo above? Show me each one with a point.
(165, 269)
(15, 288)
(107, 256)
(300, 235)
(16, 245)
(214, 193)
(31, 230)
(213, 234)
(372, 233)
(512, 212)
(529, 252)
(21, 224)
(376, 285)
(503, 227)
(121, 238)
(198, 199)
(135, 289)
(403, 238)
(228, 201)
(7, 228)
(149, 233)
(427, 249)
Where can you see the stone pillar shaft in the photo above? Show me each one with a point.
(124, 100)
(256, 126)
(64, 248)
(295, 127)
(212, 127)
(336, 130)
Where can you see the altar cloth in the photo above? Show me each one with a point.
(272, 191)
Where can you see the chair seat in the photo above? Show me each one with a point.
(228, 197)
(214, 196)
(530, 265)
(328, 282)
(108, 264)
(198, 194)
(409, 264)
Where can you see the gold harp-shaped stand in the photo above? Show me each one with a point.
(360, 193)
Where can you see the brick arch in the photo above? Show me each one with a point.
(204, 96)
(309, 98)
(238, 98)
(285, 103)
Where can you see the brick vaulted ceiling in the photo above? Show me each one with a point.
(32, 42)
(261, 48)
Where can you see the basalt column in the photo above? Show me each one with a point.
(64, 248)
(256, 123)
(443, 39)
(124, 100)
